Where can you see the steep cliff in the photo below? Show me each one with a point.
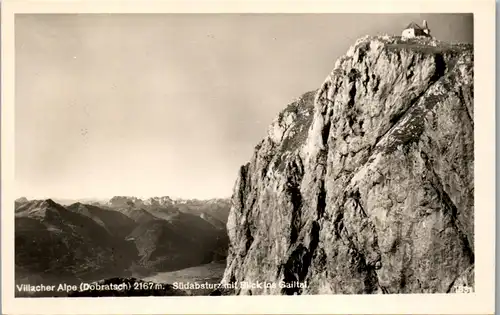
(365, 185)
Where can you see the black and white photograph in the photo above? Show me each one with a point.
(244, 154)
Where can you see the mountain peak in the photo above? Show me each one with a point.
(344, 169)
(49, 203)
(77, 204)
(22, 200)
(159, 201)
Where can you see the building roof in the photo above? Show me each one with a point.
(414, 26)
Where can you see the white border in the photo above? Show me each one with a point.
(481, 302)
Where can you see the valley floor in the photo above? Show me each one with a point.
(209, 273)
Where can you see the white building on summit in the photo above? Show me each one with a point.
(415, 30)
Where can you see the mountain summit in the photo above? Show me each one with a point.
(365, 185)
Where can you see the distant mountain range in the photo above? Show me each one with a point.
(119, 237)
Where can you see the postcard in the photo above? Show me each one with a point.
(230, 157)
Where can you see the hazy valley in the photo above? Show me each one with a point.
(123, 237)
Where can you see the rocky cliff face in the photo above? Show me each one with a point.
(365, 185)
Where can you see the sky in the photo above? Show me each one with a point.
(169, 104)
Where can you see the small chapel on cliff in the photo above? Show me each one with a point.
(415, 30)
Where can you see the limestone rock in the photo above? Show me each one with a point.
(367, 184)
